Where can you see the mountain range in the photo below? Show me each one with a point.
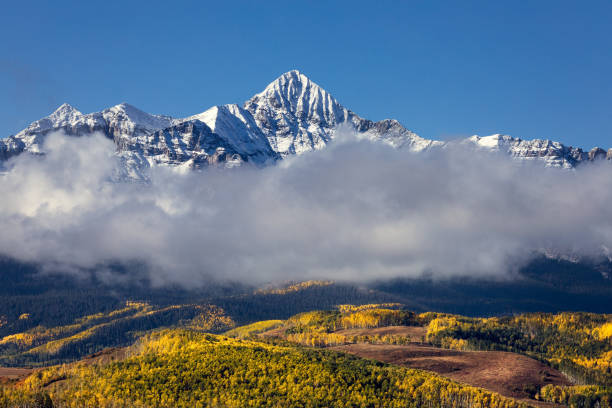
(291, 116)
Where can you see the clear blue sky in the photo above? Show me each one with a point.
(444, 69)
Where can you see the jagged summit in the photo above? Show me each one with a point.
(294, 90)
(65, 113)
(126, 107)
(554, 154)
(133, 118)
(64, 110)
(296, 94)
(298, 116)
(295, 114)
(294, 76)
(293, 86)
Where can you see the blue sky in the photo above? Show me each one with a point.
(532, 69)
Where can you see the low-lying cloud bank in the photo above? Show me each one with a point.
(356, 210)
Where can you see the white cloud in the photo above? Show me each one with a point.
(355, 210)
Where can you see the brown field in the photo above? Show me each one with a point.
(509, 374)
(106, 356)
(278, 332)
(415, 333)
(10, 373)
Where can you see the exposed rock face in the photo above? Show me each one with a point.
(292, 115)
(554, 154)
(298, 116)
(118, 122)
(237, 129)
(392, 132)
(144, 140)
(193, 144)
(11, 146)
(597, 153)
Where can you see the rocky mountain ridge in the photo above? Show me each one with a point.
(291, 116)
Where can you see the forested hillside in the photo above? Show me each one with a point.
(185, 369)
(56, 299)
(580, 344)
(48, 319)
(266, 363)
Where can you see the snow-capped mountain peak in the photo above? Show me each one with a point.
(292, 115)
(554, 154)
(298, 94)
(62, 116)
(298, 116)
(137, 117)
(294, 93)
(295, 114)
(237, 127)
(65, 112)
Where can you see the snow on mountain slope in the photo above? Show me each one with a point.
(118, 122)
(392, 132)
(125, 120)
(65, 115)
(191, 144)
(292, 115)
(143, 139)
(239, 130)
(298, 116)
(10, 147)
(215, 137)
(554, 154)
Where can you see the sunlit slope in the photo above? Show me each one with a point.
(180, 368)
(44, 346)
(577, 344)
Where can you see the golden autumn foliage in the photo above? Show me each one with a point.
(179, 368)
(370, 318)
(184, 368)
(577, 343)
(604, 331)
(347, 318)
(577, 396)
(40, 335)
(211, 319)
(323, 339)
(253, 329)
(296, 287)
(89, 334)
(358, 308)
